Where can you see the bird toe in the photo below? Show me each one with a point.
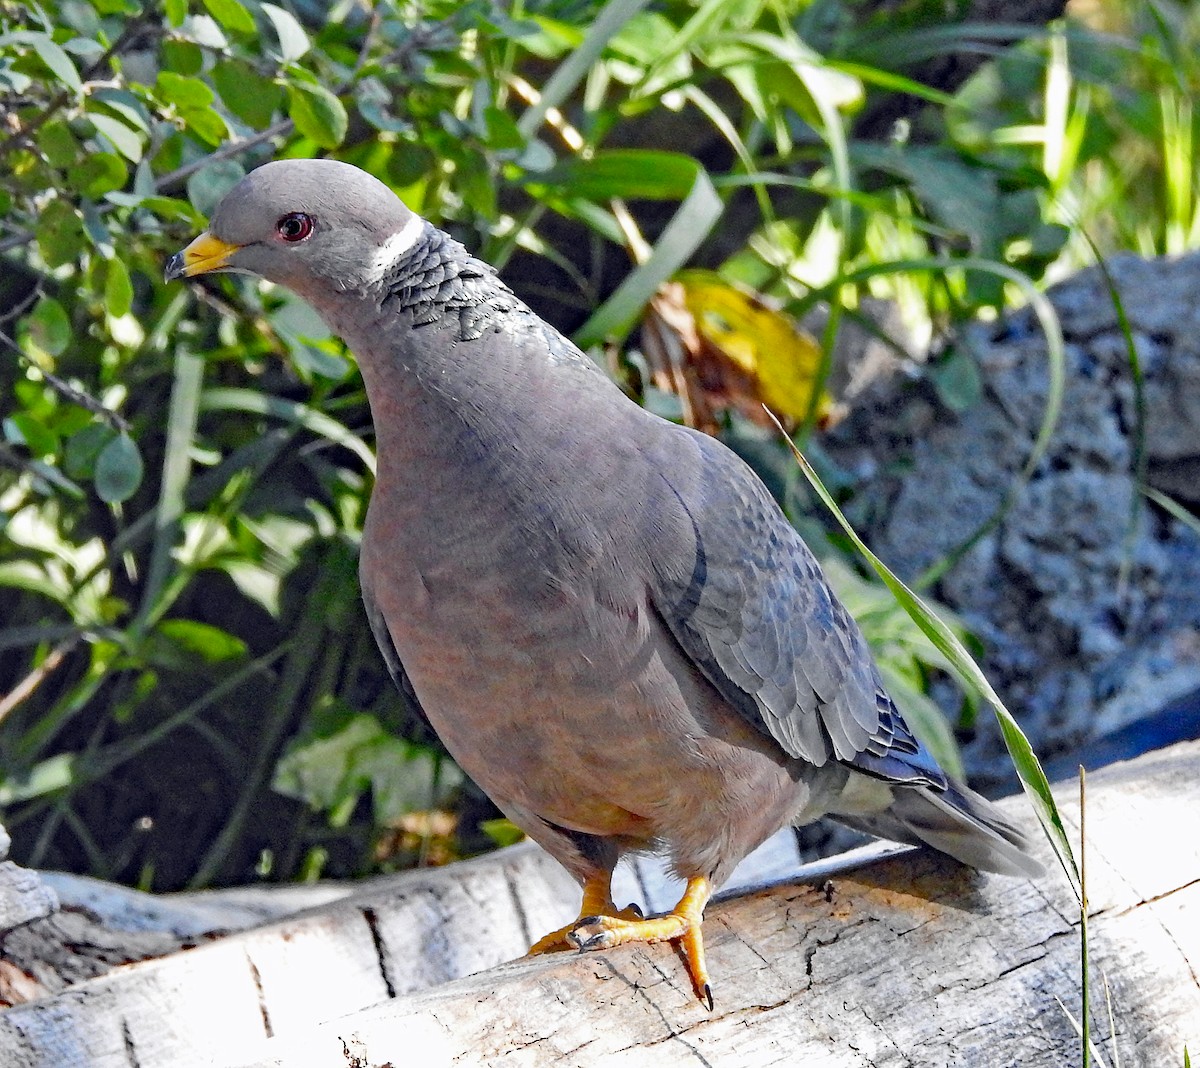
(592, 932)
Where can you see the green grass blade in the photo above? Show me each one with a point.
(716, 115)
(688, 227)
(1141, 457)
(897, 83)
(1033, 778)
(571, 72)
(1085, 1009)
(247, 400)
(176, 471)
(1169, 504)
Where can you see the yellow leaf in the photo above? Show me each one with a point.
(769, 347)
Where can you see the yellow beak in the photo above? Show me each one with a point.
(206, 253)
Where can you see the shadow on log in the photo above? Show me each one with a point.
(907, 960)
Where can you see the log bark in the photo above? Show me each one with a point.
(908, 960)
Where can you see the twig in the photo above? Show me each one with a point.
(17, 240)
(172, 179)
(38, 675)
(19, 309)
(73, 394)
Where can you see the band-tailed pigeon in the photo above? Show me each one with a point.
(605, 616)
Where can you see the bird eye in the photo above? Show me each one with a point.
(295, 226)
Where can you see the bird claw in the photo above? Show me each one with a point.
(565, 938)
(608, 930)
(591, 933)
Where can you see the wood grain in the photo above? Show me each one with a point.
(908, 960)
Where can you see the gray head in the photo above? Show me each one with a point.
(316, 226)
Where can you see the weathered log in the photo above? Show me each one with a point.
(909, 960)
(94, 927)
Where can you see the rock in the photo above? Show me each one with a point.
(23, 898)
(1086, 594)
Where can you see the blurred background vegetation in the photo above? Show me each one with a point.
(189, 694)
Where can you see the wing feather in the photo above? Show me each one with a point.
(755, 613)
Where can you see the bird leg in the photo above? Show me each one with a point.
(597, 901)
(682, 924)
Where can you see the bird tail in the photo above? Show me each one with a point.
(956, 821)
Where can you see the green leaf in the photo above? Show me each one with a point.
(119, 470)
(629, 173)
(49, 326)
(231, 15)
(51, 54)
(83, 447)
(689, 226)
(248, 95)
(305, 334)
(248, 400)
(502, 132)
(962, 198)
(349, 753)
(164, 207)
(182, 57)
(96, 230)
(317, 113)
(374, 104)
(58, 144)
(183, 91)
(210, 643)
(293, 41)
(120, 136)
(503, 832)
(206, 187)
(611, 17)
(46, 777)
(206, 124)
(59, 233)
(38, 438)
(124, 105)
(956, 379)
(176, 11)
(98, 173)
(118, 290)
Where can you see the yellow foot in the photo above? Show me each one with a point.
(559, 940)
(597, 901)
(681, 924)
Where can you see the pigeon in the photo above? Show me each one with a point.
(605, 615)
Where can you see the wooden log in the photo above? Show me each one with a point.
(912, 960)
(907, 961)
(419, 922)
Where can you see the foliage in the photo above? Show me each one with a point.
(188, 690)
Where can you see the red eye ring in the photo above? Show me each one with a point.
(295, 226)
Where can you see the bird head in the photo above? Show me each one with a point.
(315, 226)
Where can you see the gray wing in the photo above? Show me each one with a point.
(755, 613)
(391, 657)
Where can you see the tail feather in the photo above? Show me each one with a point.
(956, 821)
